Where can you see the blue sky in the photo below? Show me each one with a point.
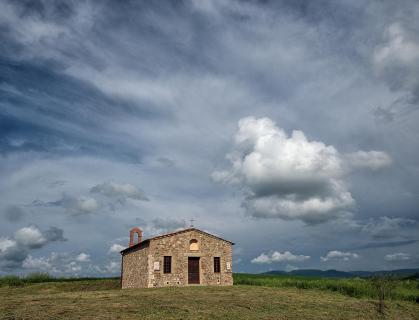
(288, 127)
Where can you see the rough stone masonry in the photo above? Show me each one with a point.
(186, 257)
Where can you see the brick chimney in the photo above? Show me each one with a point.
(133, 231)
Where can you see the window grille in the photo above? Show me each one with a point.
(167, 264)
(217, 265)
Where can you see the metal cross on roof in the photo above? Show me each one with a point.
(192, 221)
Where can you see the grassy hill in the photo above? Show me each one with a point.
(102, 299)
(401, 289)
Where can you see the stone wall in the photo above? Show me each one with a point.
(135, 269)
(177, 246)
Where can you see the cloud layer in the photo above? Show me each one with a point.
(105, 105)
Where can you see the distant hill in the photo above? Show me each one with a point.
(319, 273)
(278, 272)
(414, 276)
(399, 273)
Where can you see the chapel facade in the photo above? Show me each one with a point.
(185, 257)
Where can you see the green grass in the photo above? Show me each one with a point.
(12, 281)
(40, 277)
(102, 299)
(355, 287)
(39, 296)
(407, 290)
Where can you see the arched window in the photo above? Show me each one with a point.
(193, 245)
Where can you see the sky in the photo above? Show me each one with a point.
(287, 127)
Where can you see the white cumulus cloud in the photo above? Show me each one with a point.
(83, 257)
(339, 255)
(6, 244)
(42, 263)
(73, 268)
(30, 237)
(290, 177)
(68, 264)
(116, 248)
(400, 256)
(276, 256)
(15, 250)
(113, 267)
(86, 204)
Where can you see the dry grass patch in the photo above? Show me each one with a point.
(102, 299)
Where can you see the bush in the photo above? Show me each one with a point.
(11, 281)
(38, 277)
(384, 287)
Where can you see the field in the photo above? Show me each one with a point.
(407, 290)
(254, 297)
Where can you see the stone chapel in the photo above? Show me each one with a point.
(185, 257)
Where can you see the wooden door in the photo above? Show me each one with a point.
(193, 270)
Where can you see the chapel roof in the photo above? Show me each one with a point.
(146, 241)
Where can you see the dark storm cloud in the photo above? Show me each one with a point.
(57, 183)
(54, 234)
(391, 30)
(168, 224)
(166, 161)
(387, 228)
(58, 114)
(74, 205)
(119, 191)
(149, 95)
(14, 213)
(389, 244)
(396, 60)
